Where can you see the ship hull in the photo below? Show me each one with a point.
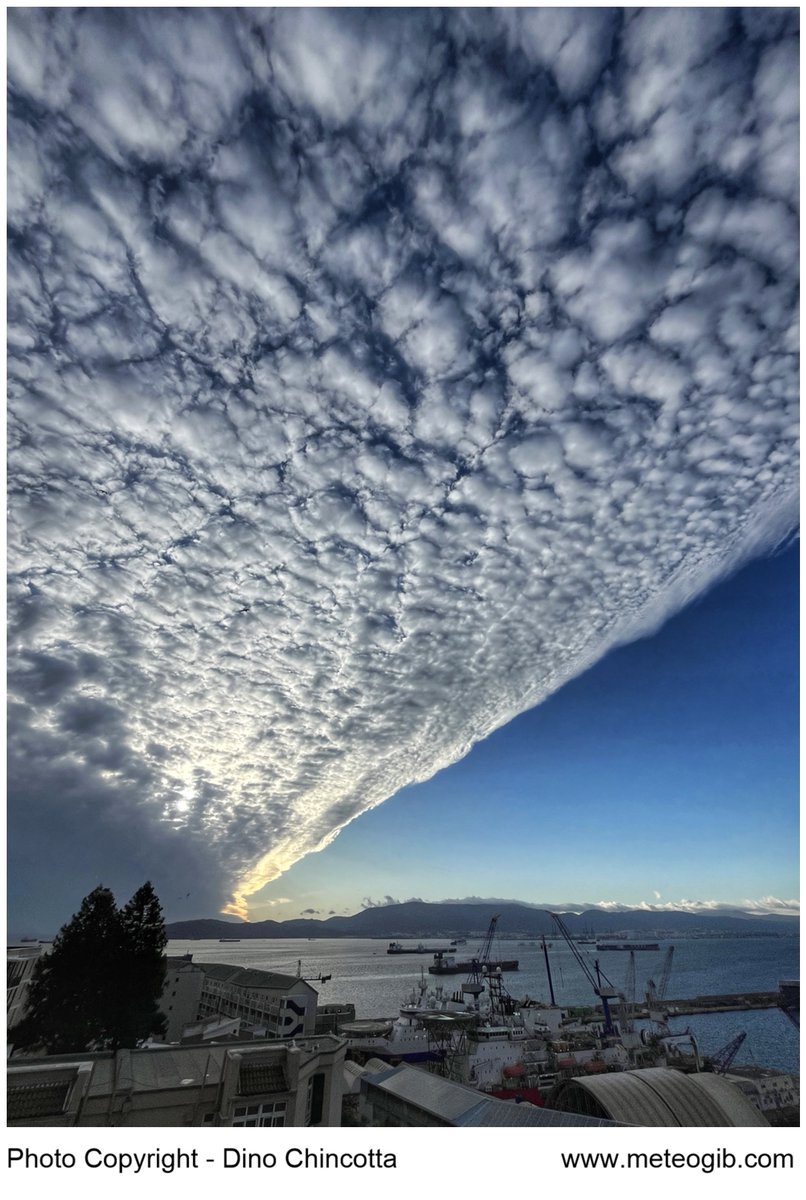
(462, 968)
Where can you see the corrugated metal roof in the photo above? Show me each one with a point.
(660, 1096)
(432, 1093)
(691, 1105)
(731, 1098)
(623, 1097)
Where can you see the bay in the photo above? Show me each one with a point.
(363, 974)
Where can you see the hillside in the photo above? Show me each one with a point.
(417, 919)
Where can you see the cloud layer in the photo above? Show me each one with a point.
(372, 373)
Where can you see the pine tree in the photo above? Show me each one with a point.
(142, 968)
(100, 986)
(69, 996)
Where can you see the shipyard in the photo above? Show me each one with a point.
(574, 1030)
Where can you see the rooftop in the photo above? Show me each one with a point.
(463, 1106)
(164, 1068)
(660, 1096)
(251, 977)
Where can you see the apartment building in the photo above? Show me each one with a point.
(267, 1003)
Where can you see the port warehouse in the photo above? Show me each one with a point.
(209, 1005)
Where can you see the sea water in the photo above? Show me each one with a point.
(377, 983)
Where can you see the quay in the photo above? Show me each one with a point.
(727, 1002)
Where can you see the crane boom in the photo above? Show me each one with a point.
(629, 982)
(628, 998)
(487, 944)
(666, 974)
(473, 985)
(723, 1058)
(657, 991)
(604, 994)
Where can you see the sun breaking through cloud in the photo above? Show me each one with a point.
(372, 373)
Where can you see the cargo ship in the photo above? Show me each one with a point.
(447, 964)
(399, 948)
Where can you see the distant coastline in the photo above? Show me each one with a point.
(418, 919)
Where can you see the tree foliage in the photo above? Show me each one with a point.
(99, 987)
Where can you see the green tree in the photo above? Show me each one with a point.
(142, 968)
(99, 987)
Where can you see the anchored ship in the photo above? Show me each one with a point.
(399, 948)
(447, 964)
(627, 946)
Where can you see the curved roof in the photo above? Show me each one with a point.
(661, 1096)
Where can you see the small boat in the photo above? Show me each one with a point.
(229, 939)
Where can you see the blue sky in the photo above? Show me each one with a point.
(667, 772)
(374, 374)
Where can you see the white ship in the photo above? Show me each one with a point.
(484, 1037)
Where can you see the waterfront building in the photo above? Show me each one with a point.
(773, 1093)
(181, 994)
(294, 1083)
(267, 1003)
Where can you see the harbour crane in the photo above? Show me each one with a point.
(656, 992)
(605, 994)
(487, 944)
(628, 998)
(480, 973)
(720, 1062)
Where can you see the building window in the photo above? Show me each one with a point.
(315, 1099)
(272, 1113)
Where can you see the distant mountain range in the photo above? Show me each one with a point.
(418, 919)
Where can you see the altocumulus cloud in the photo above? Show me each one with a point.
(372, 374)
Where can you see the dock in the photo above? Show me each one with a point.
(726, 1002)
